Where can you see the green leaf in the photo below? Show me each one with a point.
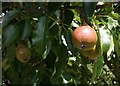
(53, 6)
(97, 68)
(68, 39)
(5, 64)
(89, 8)
(50, 61)
(61, 62)
(27, 76)
(54, 30)
(112, 23)
(34, 10)
(24, 76)
(37, 77)
(27, 30)
(12, 75)
(69, 42)
(11, 53)
(10, 33)
(59, 81)
(9, 17)
(67, 18)
(116, 39)
(40, 35)
(105, 38)
(114, 15)
(47, 50)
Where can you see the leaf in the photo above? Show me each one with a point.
(53, 6)
(69, 42)
(61, 62)
(5, 64)
(59, 81)
(114, 15)
(10, 33)
(9, 17)
(36, 78)
(89, 8)
(12, 75)
(11, 53)
(105, 38)
(112, 23)
(34, 10)
(50, 61)
(27, 30)
(68, 39)
(47, 50)
(67, 18)
(54, 30)
(26, 77)
(116, 41)
(40, 35)
(97, 68)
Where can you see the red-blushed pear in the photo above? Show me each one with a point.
(84, 37)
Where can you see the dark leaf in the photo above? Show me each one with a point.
(50, 61)
(12, 75)
(53, 6)
(68, 38)
(89, 8)
(9, 17)
(27, 30)
(35, 10)
(47, 48)
(67, 18)
(61, 62)
(10, 33)
(11, 53)
(39, 39)
(54, 30)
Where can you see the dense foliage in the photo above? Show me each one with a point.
(45, 30)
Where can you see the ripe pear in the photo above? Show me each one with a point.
(84, 37)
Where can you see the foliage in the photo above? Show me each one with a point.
(46, 29)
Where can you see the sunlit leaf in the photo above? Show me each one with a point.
(115, 15)
(112, 23)
(105, 38)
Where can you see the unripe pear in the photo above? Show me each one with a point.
(23, 53)
(84, 37)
